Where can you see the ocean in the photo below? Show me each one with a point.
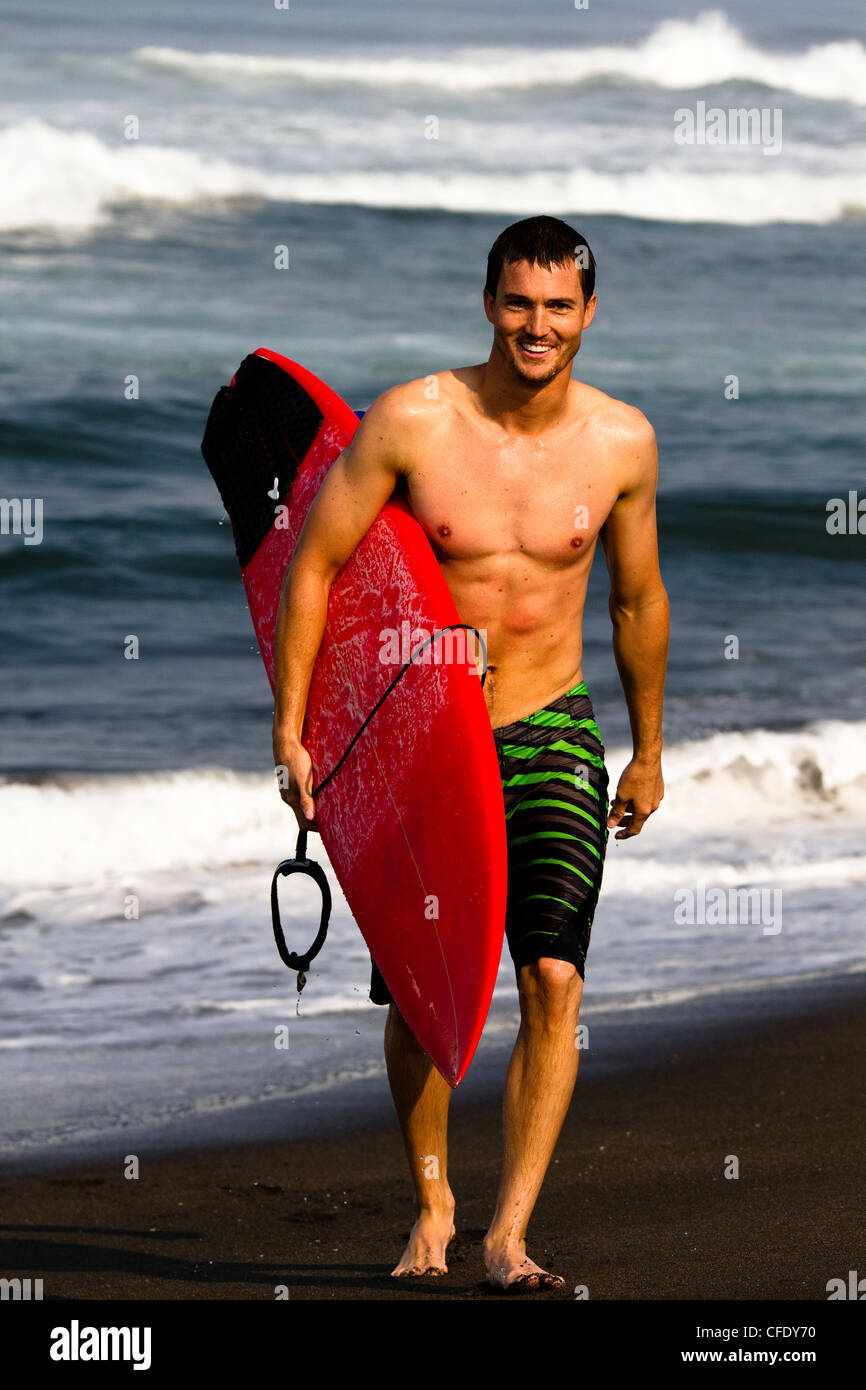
(153, 166)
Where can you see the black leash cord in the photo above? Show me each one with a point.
(302, 865)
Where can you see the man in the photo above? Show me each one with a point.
(514, 470)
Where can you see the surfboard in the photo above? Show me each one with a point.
(413, 821)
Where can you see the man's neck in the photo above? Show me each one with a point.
(522, 406)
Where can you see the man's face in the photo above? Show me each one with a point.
(538, 317)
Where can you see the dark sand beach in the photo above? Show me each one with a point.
(636, 1205)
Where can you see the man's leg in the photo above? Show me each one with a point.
(421, 1098)
(538, 1089)
(554, 785)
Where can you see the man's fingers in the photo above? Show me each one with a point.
(305, 811)
(303, 806)
(295, 781)
(632, 825)
(630, 820)
(307, 806)
(638, 795)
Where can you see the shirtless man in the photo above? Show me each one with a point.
(514, 470)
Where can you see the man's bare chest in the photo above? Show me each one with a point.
(548, 504)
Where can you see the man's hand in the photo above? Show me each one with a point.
(639, 793)
(294, 769)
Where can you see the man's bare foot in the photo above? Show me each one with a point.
(510, 1268)
(425, 1253)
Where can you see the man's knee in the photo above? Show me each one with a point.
(550, 987)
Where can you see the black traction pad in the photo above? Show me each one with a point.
(259, 429)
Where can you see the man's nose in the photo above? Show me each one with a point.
(537, 325)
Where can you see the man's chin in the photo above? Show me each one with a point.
(535, 378)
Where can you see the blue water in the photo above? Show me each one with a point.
(153, 258)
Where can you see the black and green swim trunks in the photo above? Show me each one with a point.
(555, 789)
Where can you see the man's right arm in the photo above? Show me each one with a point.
(353, 492)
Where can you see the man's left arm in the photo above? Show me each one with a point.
(639, 612)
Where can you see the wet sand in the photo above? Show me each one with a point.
(636, 1204)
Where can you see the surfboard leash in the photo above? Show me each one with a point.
(302, 865)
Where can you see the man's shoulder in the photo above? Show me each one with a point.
(409, 419)
(617, 419)
(419, 401)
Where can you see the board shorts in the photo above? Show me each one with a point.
(555, 789)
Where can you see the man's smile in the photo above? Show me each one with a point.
(536, 350)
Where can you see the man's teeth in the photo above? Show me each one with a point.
(538, 349)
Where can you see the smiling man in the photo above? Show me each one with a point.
(515, 471)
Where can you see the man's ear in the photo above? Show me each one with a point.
(488, 302)
(589, 310)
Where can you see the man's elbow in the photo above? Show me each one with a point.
(651, 600)
(309, 569)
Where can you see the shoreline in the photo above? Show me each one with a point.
(636, 1204)
(622, 1040)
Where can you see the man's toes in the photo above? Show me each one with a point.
(524, 1283)
(531, 1283)
(417, 1273)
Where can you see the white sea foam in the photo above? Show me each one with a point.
(80, 831)
(191, 825)
(71, 181)
(678, 54)
(745, 780)
(665, 191)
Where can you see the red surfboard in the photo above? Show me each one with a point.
(413, 821)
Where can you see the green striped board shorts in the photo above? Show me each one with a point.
(555, 787)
